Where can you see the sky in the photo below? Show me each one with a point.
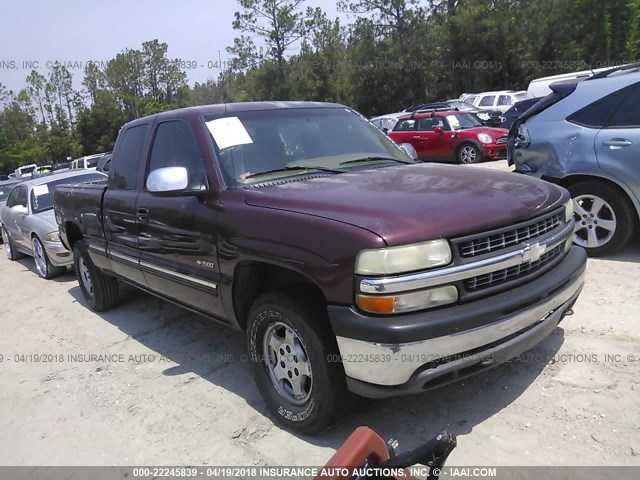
(74, 32)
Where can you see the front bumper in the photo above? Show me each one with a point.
(403, 354)
(495, 152)
(58, 255)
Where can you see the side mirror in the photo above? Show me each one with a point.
(168, 180)
(439, 130)
(19, 209)
(409, 150)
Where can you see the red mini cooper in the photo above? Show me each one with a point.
(448, 135)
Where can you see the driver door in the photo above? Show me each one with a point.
(16, 221)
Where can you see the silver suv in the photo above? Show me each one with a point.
(585, 136)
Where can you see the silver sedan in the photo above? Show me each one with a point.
(28, 223)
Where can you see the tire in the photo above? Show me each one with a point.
(99, 289)
(605, 219)
(468, 153)
(323, 395)
(9, 247)
(44, 267)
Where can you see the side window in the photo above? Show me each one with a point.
(596, 114)
(22, 196)
(627, 115)
(125, 170)
(405, 125)
(425, 125)
(175, 146)
(504, 100)
(12, 201)
(487, 101)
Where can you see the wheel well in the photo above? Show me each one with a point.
(573, 179)
(252, 279)
(73, 233)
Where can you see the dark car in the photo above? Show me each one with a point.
(349, 266)
(511, 115)
(450, 136)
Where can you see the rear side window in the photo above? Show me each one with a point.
(126, 169)
(627, 115)
(596, 114)
(504, 100)
(487, 101)
(175, 146)
(405, 125)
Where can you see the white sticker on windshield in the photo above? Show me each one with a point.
(40, 189)
(229, 132)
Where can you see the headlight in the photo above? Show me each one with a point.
(484, 138)
(484, 116)
(52, 237)
(568, 211)
(409, 302)
(407, 258)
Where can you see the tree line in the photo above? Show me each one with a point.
(390, 54)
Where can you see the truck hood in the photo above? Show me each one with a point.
(405, 204)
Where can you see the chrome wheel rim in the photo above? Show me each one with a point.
(7, 245)
(595, 221)
(40, 258)
(468, 154)
(85, 277)
(287, 363)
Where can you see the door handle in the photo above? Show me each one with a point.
(617, 142)
(417, 137)
(142, 215)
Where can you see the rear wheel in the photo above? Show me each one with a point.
(44, 266)
(292, 349)
(9, 246)
(469, 153)
(604, 218)
(99, 289)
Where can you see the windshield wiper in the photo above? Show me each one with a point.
(375, 159)
(296, 167)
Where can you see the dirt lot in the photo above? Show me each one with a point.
(176, 390)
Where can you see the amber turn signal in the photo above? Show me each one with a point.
(375, 304)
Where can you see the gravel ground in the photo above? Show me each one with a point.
(172, 389)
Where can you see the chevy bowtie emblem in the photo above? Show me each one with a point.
(533, 252)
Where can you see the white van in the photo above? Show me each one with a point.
(540, 86)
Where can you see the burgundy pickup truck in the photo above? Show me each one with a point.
(350, 267)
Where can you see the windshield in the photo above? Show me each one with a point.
(253, 142)
(42, 195)
(93, 163)
(463, 106)
(462, 121)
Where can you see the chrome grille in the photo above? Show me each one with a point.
(492, 242)
(512, 273)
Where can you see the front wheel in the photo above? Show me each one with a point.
(604, 218)
(44, 267)
(469, 153)
(293, 355)
(99, 289)
(9, 247)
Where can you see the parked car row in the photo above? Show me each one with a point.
(444, 135)
(585, 136)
